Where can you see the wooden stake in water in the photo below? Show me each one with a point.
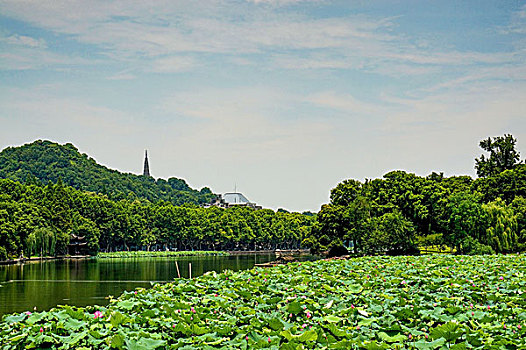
(190, 269)
(177, 266)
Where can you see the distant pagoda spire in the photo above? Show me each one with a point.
(146, 171)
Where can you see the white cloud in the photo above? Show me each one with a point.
(518, 22)
(282, 2)
(122, 76)
(245, 121)
(282, 110)
(344, 102)
(23, 40)
(161, 35)
(173, 64)
(25, 58)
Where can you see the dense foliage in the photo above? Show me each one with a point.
(43, 220)
(428, 302)
(502, 156)
(161, 253)
(401, 211)
(45, 161)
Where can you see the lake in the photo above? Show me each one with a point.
(89, 281)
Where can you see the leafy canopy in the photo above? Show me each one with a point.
(502, 155)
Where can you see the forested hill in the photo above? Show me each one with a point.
(45, 161)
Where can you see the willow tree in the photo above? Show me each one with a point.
(41, 241)
(501, 233)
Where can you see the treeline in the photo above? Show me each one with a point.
(402, 211)
(37, 219)
(43, 161)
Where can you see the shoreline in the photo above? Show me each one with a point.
(24, 260)
(79, 257)
(269, 251)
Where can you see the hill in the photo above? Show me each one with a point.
(45, 161)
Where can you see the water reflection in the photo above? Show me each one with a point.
(88, 282)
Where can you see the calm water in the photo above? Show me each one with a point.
(88, 282)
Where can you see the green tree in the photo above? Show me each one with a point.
(501, 233)
(390, 233)
(466, 218)
(42, 242)
(502, 155)
(519, 208)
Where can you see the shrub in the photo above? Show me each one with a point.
(471, 246)
(3, 254)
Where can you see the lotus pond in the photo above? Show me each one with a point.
(85, 282)
(428, 302)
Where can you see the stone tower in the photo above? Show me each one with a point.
(146, 171)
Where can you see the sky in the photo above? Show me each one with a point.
(281, 99)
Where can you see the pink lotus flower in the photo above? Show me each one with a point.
(246, 337)
(192, 309)
(97, 314)
(41, 330)
(269, 340)
(410, 336)
(215, 295)
(519, 326)
(28, 313)
(501, 278)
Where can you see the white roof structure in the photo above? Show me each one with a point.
(234, 198)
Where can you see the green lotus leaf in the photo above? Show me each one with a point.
(15, 318)
(275, 324)
(294, 307)
(425, 345)
(373, 346)
(391, 339)
(448, 331)
(116, 341)
(126, 304)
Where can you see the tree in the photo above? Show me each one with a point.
(503, 155)
(42, 241)
(467, 218)
(501, 234)
(519, 207)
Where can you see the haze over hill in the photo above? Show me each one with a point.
(46, 161)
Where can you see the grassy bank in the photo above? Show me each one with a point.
(427, 302)
(140, 254)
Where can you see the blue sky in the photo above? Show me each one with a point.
(284, 98)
